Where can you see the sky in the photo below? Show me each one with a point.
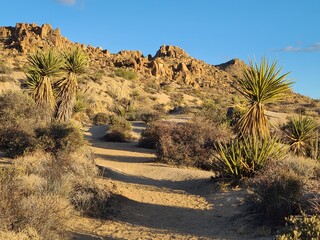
(215, 31)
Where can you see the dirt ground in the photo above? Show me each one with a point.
(156, 201)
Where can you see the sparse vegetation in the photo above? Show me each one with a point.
(125, 73)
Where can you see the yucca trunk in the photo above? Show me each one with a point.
(254, 122)
(43, 95)
(67, 95)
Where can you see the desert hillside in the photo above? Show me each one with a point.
(170, 77)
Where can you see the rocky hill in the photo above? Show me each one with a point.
(170, 66)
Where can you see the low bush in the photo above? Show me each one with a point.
(46, 214)
(126, 74)
(285, 188)
(150, 137)
(119, 130)
(16, 142)
(19, 116)
(302, 227)
(5, 69)
(60, 139)
(191, 143)
(101, 118)
(6, 78)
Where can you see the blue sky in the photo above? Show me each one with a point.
(211, 30)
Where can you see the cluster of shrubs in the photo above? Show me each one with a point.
(51, 178)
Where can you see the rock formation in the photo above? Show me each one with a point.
(169, 64)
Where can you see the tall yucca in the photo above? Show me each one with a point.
(42, 67)
(301, 131)
(76, 62)
(261, 84)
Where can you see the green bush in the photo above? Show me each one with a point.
(101, 118)
(241, 158)
(60, 139)
(119, 130)
(126, 74)
(302, 227)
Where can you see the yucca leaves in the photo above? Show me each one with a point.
(300, 132)
(260, 85)
(42, 67)
(44, 63)
(76, 62)
(243, 157)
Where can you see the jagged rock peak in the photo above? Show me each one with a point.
(232, 63)
(25, 37)
(171, 51)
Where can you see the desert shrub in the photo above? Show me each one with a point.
(45, 214)
(25, 234)
(286, 187)
(101, 118)
(6, 78)
(241, 158)
(191, 143)
(82, 103)
(18, 118)
(176, 99)
(60, 139)
(5, 69)
(90, 198)
(151, 87)
(126, 74)
(277, 194)
(151, 116)
(150, 137)
(97, 76)
(213, 111)
(16, 142)
(119, 130)
(18, 111)
(72, 178)
(302, 227)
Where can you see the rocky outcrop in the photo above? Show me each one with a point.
(169, 64)
(26, 37)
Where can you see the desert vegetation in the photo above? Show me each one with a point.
(50, 175)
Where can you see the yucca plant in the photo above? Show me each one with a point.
(241, 158)
(42, 67)
(260, 85)
(76, 62)
(301, 132)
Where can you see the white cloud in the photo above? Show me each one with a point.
(67, 2)
(312, 48)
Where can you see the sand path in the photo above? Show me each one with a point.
(156, 201)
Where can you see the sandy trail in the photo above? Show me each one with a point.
(156, 201)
